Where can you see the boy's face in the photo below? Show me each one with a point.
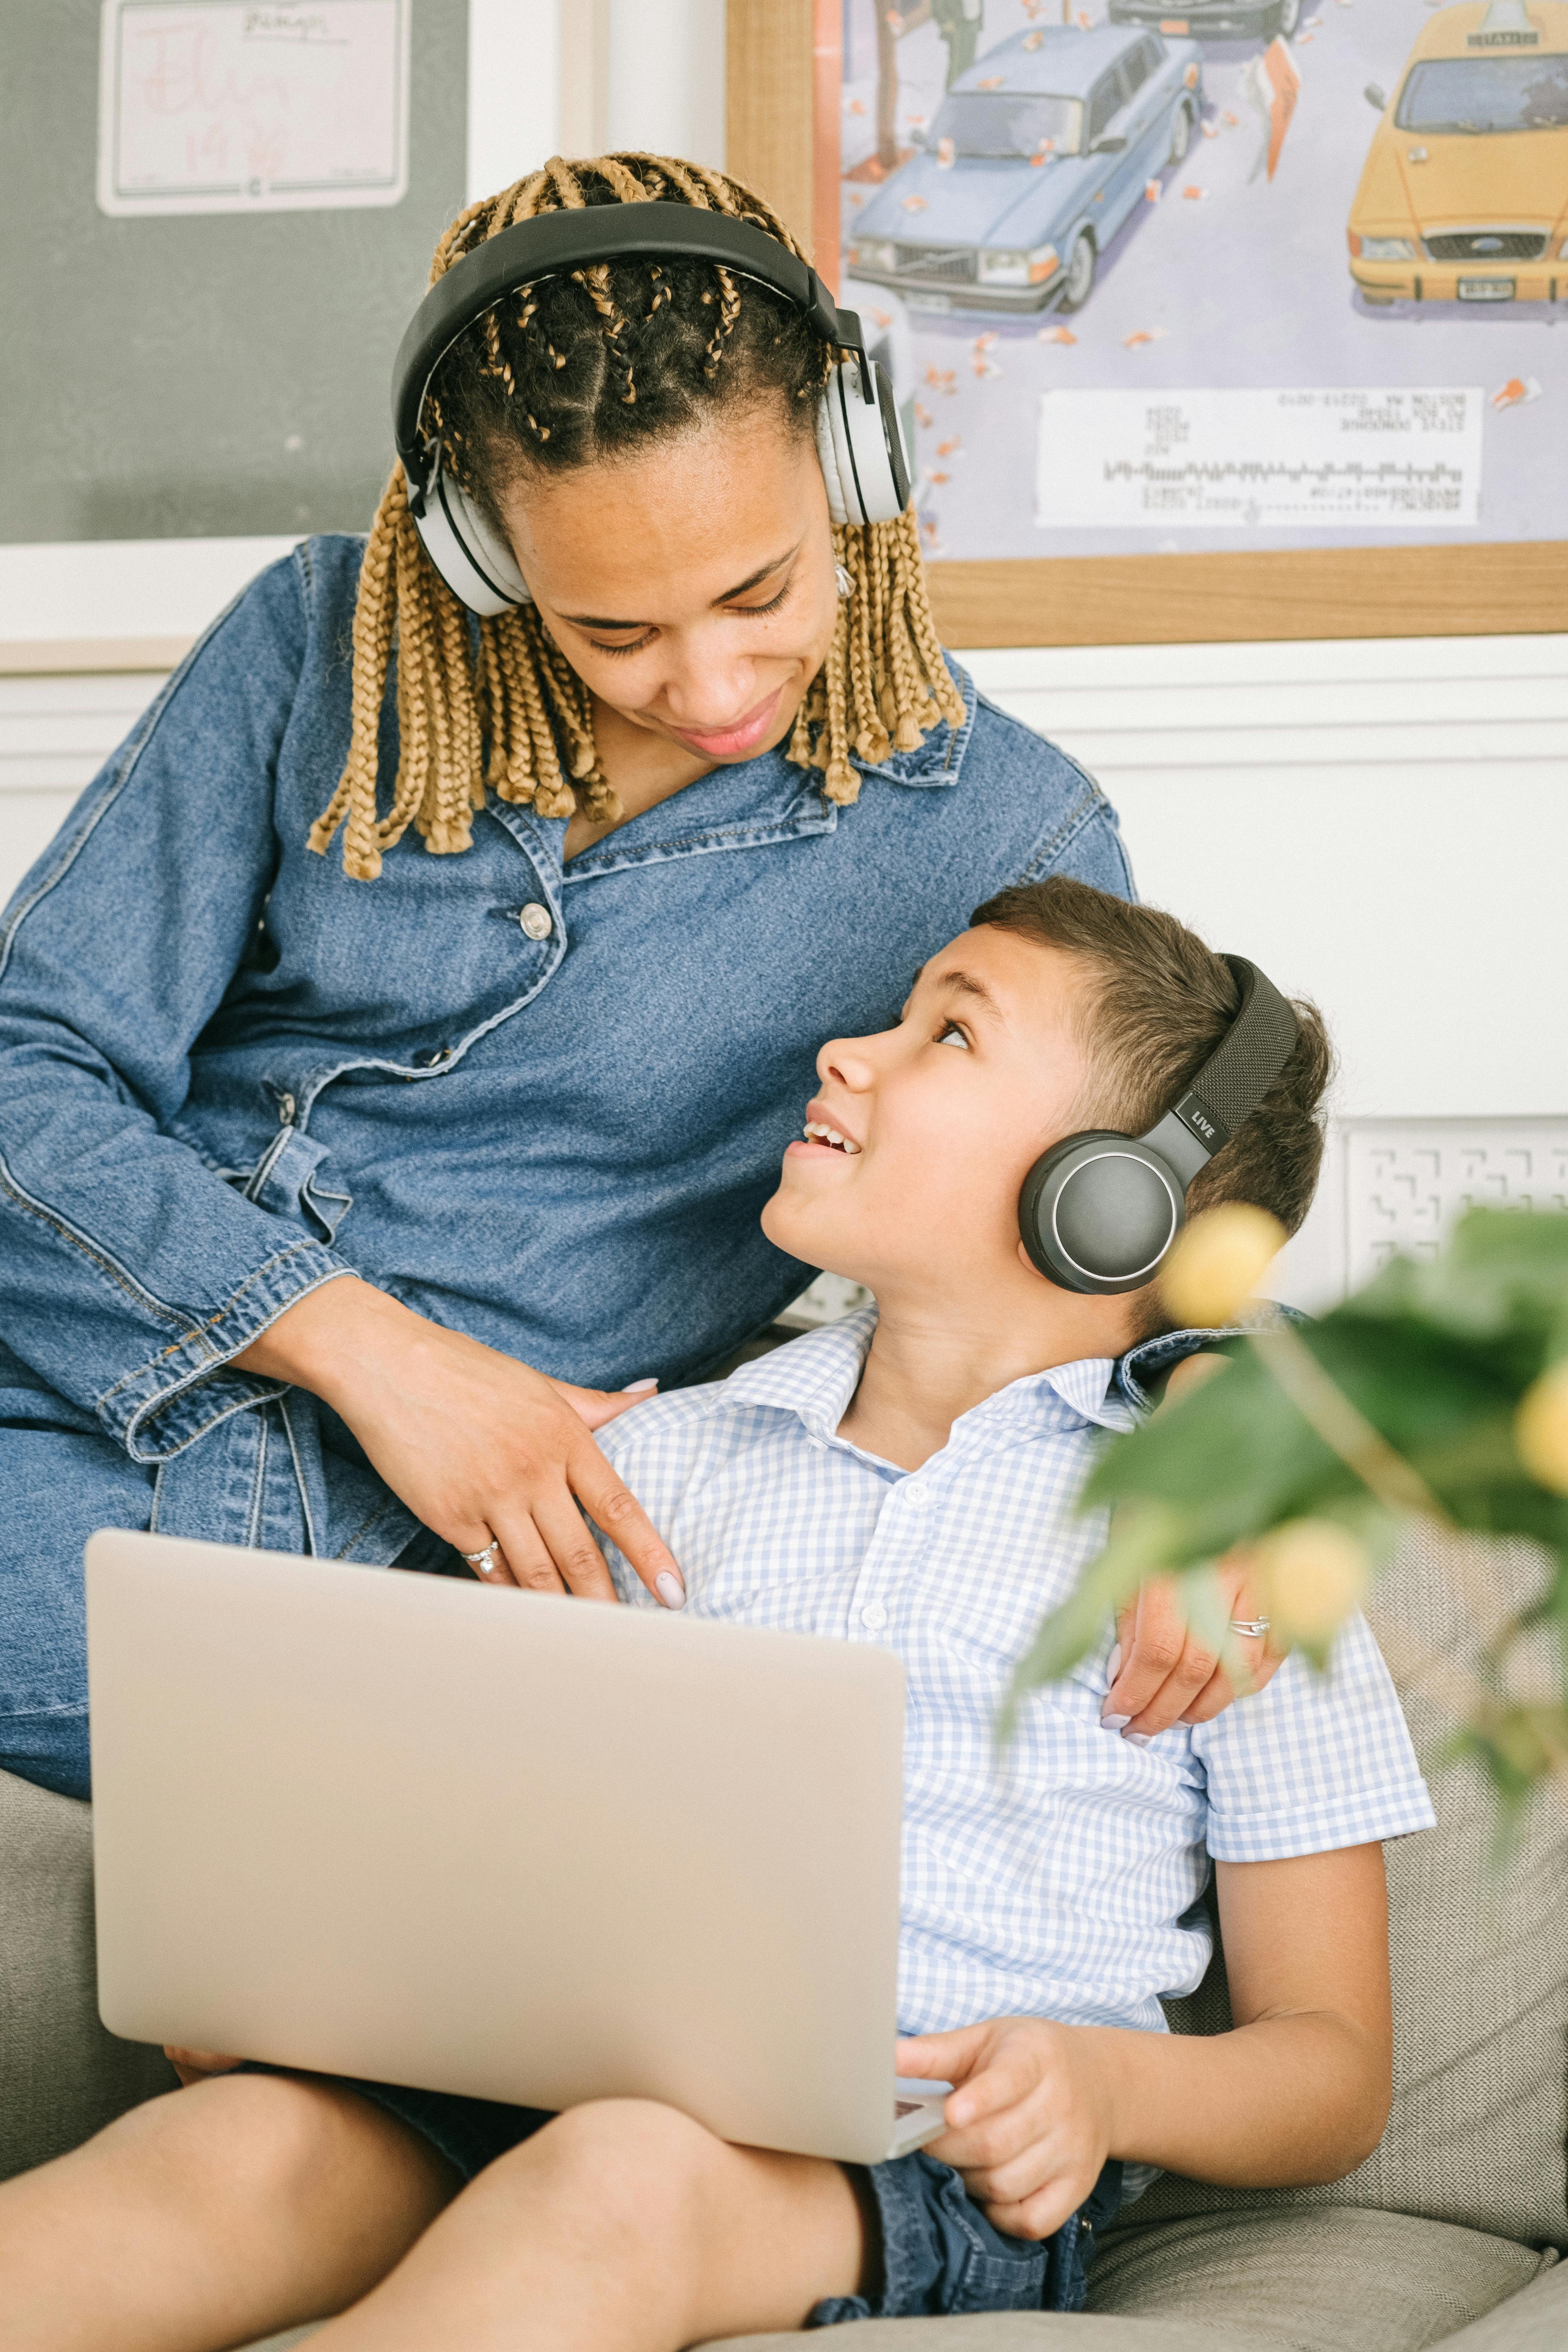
(941, 1119)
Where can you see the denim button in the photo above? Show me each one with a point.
(874, 1615)
(535, 921)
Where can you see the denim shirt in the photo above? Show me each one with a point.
(227, 1073)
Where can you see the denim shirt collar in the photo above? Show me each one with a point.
(1142, 1367)
(746, 806)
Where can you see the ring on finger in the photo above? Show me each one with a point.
(485, 1562)
(1251, 1629)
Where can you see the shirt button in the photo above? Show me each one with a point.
(918, 1496)
(536, 922)
(874, 1615)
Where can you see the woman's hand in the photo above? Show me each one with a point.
(1161, 1673)
(1029, 2122)
(479, 1447)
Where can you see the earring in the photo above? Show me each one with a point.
(846, 586)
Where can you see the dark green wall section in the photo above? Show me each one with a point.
(187, 377)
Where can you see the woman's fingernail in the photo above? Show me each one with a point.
(635, 1388)
(1139, 1739)
(670, 1589)
(1115, 1722)
(1114, 1663)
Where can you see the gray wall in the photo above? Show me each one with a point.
(152, 371)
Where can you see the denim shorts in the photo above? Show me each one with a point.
(939, 2257)
(942, 2258)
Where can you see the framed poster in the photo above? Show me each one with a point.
(1249, 321)
(211, 106)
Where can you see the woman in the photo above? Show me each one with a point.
(321, 1183)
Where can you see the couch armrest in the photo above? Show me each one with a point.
(62, 2075)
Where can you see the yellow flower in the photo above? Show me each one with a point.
(1540, 1429)
(1219, 1261)
(1314, 1573)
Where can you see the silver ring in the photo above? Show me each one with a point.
(483, 1560)
(1252, 1628)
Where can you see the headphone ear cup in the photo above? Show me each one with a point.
(1098, 1212)
(827, 459)
(476, 564)
(861, 447)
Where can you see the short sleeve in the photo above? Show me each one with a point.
(1314, 1762)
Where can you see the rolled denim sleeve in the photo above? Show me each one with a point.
(130, 1271)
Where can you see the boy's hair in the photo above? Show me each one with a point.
(1161, 1005)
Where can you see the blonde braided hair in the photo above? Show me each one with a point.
(495, 706)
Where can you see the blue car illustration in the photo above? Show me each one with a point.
(1038, 154)
(1213, 20)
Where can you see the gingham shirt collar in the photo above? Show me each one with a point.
(817, 1383)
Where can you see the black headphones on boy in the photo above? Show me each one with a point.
(1099, 1211)
(857, 437)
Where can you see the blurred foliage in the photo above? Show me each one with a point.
(1404, 1402)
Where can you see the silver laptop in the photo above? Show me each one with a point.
(425, 1832)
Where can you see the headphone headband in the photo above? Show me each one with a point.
(1244, 1065)
(552, 244)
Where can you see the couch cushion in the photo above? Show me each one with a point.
(1020, 2331)
(1008, 2331)
(1333, 2280)
(1535, 2321)
(1480, 1952)
(62, 2075)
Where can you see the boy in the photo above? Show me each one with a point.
(907, 1476)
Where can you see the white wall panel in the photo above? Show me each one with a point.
(515, 90)
(665, 79)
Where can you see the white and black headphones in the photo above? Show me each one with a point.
(858, 437)
(1099, 1211)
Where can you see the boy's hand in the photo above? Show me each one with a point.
(1028, 2119)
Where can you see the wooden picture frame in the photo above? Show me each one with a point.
(783, 73)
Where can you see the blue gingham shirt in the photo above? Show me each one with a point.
(1063, 1878)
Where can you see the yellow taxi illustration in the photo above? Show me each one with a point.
(1464, 194)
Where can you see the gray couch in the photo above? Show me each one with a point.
(1448, 2235)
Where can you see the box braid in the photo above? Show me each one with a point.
(564, 373)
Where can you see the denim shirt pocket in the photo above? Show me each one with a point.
(283, 1182)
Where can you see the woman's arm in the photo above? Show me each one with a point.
(1297, 2092)
(129, 1270)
